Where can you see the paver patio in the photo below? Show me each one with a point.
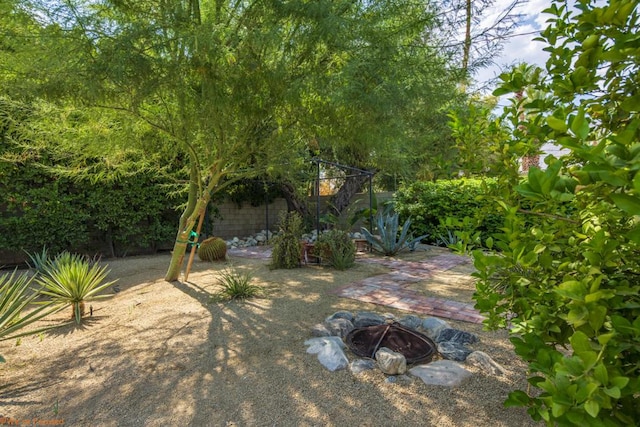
(392, 289)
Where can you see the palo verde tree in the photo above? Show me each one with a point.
(229, 85)
(567, 278)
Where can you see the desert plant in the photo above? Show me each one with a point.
(15, 295)
(388, 242)
(72, 280)
(336, 249)
(212, 249)
(38, 261)
(236, 285)
(287, 247)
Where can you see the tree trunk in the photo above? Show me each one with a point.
(294, 202)
(190, 216)
(350, 188)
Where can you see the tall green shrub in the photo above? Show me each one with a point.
(429, 204)
(569, 287)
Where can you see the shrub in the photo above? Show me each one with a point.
(287, 247)
(429, 204)
(71, 280)
(237, 285)
(336, 249)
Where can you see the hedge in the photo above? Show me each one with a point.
(429, 204)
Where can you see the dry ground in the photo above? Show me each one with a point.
(162, 354)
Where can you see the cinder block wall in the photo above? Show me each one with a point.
(248, 220)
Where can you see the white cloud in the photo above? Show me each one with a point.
(520, 47)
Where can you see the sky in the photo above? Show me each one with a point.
(519, 48)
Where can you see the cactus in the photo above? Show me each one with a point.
(212, 249)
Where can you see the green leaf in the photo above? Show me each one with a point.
(592, 407)
(629, 204)
(580, 342)
(631, 104)
(605, 338)
(600, 373)
(580, 125)
(620, 382)
(2, 359)
(556, 124)
(613, 392)
(572, 289)
(517, 398)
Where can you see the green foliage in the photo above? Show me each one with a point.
(62, 200)
(388, 242)
(569, 284)
(16, 294)
(432, 204)
(212, 249)
(479, 137)
(287, 247)
(336, 249)
(71, 280)
(236, 285)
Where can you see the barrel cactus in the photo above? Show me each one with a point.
(212, 249)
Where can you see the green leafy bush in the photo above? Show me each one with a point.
(429, 204)
(287, 247)
(569, 286)
(336, 249)
(105, 208)
(71, 280)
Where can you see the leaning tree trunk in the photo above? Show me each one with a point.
(351, 186)
(294, 202)
(195, 207)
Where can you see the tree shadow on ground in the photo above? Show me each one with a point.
(194, 362)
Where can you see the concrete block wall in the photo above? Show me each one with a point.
(248, 220)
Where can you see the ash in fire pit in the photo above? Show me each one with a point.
(414, 346)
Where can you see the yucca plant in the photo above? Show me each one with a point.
(236, 285)
(39, 261)
(72, 280)
(388, 242)
(16, 294)
(287, 248)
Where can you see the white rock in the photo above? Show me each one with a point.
(441, 372)
(390, 362)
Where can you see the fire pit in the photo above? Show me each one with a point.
(413, 345)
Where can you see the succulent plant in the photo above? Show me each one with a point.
(212, 249)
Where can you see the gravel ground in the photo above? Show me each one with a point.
(168, 354)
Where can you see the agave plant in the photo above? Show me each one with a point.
(15, 295)
(39, 261)
(72, 280)
(388, 242)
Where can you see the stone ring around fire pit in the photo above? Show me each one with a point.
(414, 346)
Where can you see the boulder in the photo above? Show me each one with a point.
(361, 365)
(483, 361)
(453, 351)
(339, 327)
(330, 352)
(432, 326)
(410, 321)
(390, 362)
(341, 315)
(456, 335)
(441, 372)
(319, 330)
(366, 318)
